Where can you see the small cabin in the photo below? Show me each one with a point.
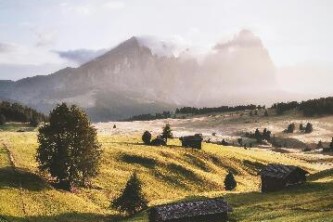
(212, 210)
(192, 141)
(276, 177)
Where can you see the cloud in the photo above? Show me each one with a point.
(244, 39)
(46, 38)
(80, 56)
(14, 54)
(91, 8)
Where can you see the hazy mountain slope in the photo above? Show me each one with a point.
(132, 78)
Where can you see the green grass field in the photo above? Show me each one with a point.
(168, 174)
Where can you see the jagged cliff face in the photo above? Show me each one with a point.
(132, 79)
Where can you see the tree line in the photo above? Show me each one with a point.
(148, 116)
(19, 113)
(205, 110)
(312, 107)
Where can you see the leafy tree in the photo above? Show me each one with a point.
(68, 147)
(230, 182)
(2, 119)
(146, 137)
(132, 199)
(308, 128)
(167, 132)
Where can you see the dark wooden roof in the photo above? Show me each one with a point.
(196, 137)
(280, 171)
(192, 209)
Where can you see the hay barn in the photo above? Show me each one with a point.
(276, 177)
(212, 210)
(192, 141)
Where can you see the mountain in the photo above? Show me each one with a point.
(135, 77)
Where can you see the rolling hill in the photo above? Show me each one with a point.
(168, 174)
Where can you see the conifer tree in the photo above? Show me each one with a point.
(167, 132)
(132, 199)
(230, 182)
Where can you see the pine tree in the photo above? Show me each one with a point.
(308, 128)
(167, 132)
(132, 199)
(2, 119)
(146, 137)
(68, 147)
(230, 182)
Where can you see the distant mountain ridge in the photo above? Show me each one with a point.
(131, 79)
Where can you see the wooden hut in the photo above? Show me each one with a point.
(211, 210)
(277, 176)
(192, 141)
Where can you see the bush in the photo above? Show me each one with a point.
(230, 182)
(68, 147)
(308, 128)
(146, 137)
(132, 199)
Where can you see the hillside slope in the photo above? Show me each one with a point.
(168, 174)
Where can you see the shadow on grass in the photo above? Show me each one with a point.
(141, 160)
(66, 217)
(20, 178)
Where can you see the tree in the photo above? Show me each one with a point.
(2, 119)
(266, 113)
(320, 144)
(258, 136)
(230, 182)
(34, 121)
(301, 127)
(68, 147)
(291, 128)
(146, 137)
(132, 199)
(167, 132)
(308, 128)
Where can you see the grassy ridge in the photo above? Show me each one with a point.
(168, 174)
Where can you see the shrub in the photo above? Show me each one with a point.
(132, 199)
(146, 137)
(230, 182)
(308, 128)
(68, 147)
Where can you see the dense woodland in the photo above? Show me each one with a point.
(205, 110)
(19, 113)
(322, 106)
(163, 115)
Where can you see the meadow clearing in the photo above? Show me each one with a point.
(168, 174)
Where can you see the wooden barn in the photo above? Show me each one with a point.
(192, 141)
(275, 177)
(212, 210)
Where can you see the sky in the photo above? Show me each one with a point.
(39, 37)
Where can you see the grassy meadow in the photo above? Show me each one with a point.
(168, 174)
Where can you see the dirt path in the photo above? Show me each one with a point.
(14, 168)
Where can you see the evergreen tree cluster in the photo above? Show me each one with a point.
(221, 109)
(18, 113)
(143, 117)
(322, 106)
(265, 135)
